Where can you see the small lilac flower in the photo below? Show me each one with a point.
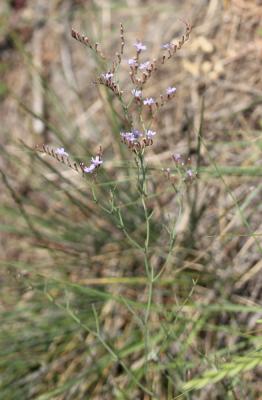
(123, 134)
(136, 133)
(177, 157)
(150, 134)
(96, 161)
(61, 152)
(139, 46)
(132, 62)
(90, 169)
(166, 46)
(131, 138)
(170, 90)
(190, 173)
(107, 76)
(128, 136)
(137, 93)
(149, 101)
(144, 65)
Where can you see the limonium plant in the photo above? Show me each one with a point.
(138, 135)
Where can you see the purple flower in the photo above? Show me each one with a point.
(149, 101)
(96, 161)
(170, 90)
(61, 152)
(136, 133)
(137, 93)
(166, 46)
(90, 169)
(107, 76)
(131, 136)
(190, 173)
(177, 157)
(128, 136)
(150, 134)
(144, 65)
(139, 46)
(123, 134)
(132, 62)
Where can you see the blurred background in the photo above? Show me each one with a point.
(60, 253)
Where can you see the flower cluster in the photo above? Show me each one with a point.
(145, 70)
(107, 79)
(63, 157)
(184, 166)
(150, 101)
(95, 163)
(184, 172)
(136, 139)
(141, 70)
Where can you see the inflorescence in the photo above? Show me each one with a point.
(136, 139)
(184, 166)
(63, 157)
(140, 72)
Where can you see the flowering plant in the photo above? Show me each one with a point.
(138, 133)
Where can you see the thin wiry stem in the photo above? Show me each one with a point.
(148, 266)
(98, 335)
